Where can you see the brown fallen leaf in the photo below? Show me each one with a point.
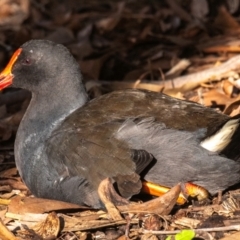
(108, 24)
(21, 205)
(83, 47)
(48, 229)
(234, 236)
(92, 68)
(215, 98)
(228, 87)
(5, 188)
(187, 222)
(225, 21)
(232, 108)
(162, 205)
(15, 183)
(152, 222)
(114, 202)
(9, 173)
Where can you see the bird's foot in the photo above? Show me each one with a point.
(158, 190)
(188, 189)
(195, 191)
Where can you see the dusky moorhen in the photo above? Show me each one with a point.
(66, 145)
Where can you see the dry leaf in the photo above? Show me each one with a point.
(232, 108)
(92, 68)
(187, 222)
(215, 98)
(108, 24)
(225, 21)
(48, 229)
(143, 39)
(11, 172)
(228, 88)
(15, 183)
(162, 205)
(83, 47)
(21, 205)
(152, 222)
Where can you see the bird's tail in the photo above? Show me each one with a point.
(226, 140)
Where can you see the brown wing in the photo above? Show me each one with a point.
(85, 143)
(94, 154)
(132, 103)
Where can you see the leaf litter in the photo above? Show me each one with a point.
(187, 49)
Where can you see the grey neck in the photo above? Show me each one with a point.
(45, 112)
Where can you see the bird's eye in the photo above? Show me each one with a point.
(26, 61)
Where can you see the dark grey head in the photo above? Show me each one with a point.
(42, 66)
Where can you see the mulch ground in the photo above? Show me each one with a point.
(187, 49)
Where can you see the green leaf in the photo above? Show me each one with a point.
(183, 235)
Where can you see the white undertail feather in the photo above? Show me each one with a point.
(220, 140)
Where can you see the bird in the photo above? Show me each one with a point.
(67, 144)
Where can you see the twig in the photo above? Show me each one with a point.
(216, 229)
(177, 69)
(215, 73)
(184, 83)
(5, 234)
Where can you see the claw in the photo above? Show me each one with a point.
(193, 190)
